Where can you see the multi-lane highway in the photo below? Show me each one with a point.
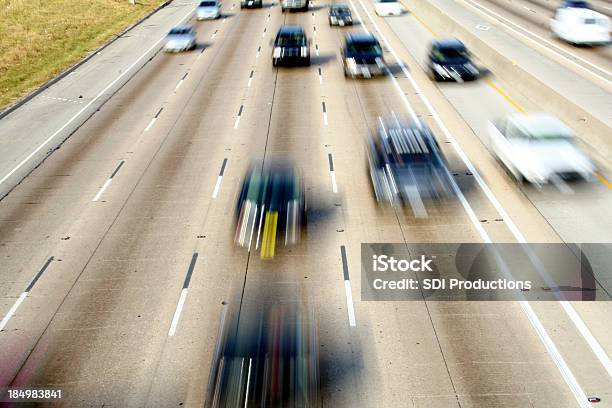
(117, 259)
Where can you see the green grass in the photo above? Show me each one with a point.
(39, 39)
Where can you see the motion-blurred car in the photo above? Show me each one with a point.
(266, 356)
(291, 47)
(297, 5)
(340, 15)
(538, 148)
(271, 207)
(575, 4)
(362, 56)
(449, 60)
(386, 8)
(406, 165)
(251, 3)
(581, 26)
(208, 10)
(180, 38)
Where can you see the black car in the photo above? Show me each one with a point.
(406, 165)
(575, 4)
(449, 60)
(362, 56)
(340, 15)
(291, 47)
(251, 4)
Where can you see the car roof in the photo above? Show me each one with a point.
(291, 29)
(361, 37)
(540, 125)
(449, 43)
(182, 27)
(408, 139)
(584, 13)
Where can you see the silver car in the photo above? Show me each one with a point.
(208, 10)
(180, 38)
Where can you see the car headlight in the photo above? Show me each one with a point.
(277, 52)
(352, 64)
(304, 51)
(333, 19)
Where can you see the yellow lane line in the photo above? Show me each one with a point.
(603, 180)
(418, 18)
(505, 96)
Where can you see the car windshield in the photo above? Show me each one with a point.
(577, 4)
(387, 1)
(362, 47)
(406, 148)
(291, 39)
(456, 55)
(208, 4)
(341, 10)
(179, 31)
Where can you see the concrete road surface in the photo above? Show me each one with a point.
(97, 242)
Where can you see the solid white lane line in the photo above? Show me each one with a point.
(150, 125)
(599, 351)
(95, 98)
(558, 359)
(217, 186)
(12, 310)
(177, 312)
(480, 9)
(246, 396)
(101, 191)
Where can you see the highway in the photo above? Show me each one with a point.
(117, 254)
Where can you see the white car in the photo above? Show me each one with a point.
(208, 10)
(388, 8)
(581, 26)
(539, 149)
(180, 38)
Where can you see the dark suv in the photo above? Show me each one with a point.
(340, 15)
(291, 47)
(406, 165)
(362, 56)
(449, 60)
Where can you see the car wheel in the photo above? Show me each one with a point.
(307, 62)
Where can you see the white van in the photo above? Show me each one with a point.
(581, 26)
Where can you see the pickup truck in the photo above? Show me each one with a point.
(538, 148)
